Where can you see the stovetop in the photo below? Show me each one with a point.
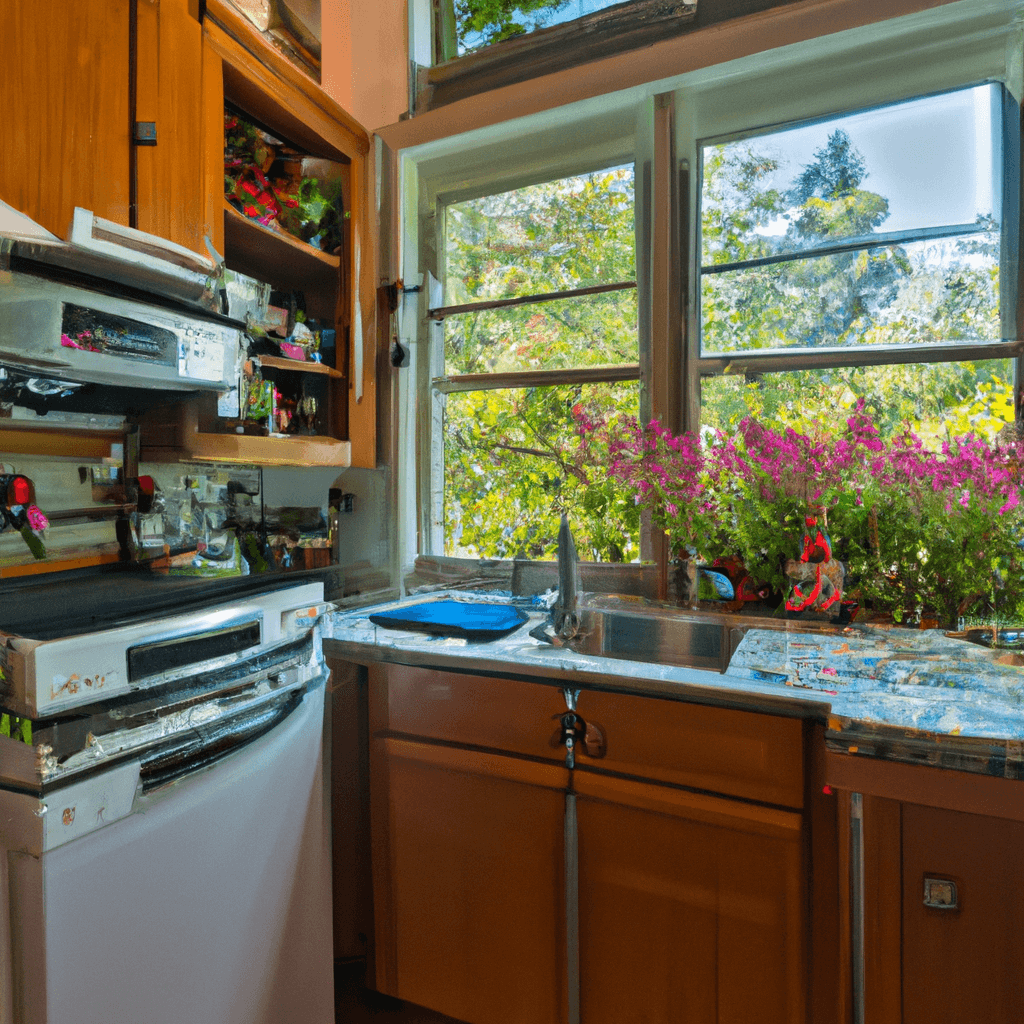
(74, 603)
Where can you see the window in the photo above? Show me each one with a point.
(822, 222)
(478, 24)
(539, 331)
(479, 45)
(859, 258)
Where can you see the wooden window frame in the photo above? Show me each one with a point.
(829, 75)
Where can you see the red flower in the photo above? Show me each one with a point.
(289, 202)
(251, 211)
(249, 187)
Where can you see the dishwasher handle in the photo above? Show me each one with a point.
(206, 745)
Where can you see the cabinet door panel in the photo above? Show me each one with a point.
(469, 882)
(170, 90)
(964, 964)
(501, 714)
(739, 753)
(64, 81)
(688, 915)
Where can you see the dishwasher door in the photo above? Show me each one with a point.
(210, 903)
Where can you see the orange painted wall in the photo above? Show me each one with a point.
(365, 58)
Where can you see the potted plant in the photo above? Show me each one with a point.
(920, 533)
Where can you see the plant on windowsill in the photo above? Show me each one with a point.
(924, 535)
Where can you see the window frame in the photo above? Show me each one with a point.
(762, 361)
(443, 384)
(660, 125)
(622, 27)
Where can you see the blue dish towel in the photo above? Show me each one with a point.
(454, 618)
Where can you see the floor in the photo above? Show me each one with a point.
(356, 1004)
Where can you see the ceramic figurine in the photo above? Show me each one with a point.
(816, 578)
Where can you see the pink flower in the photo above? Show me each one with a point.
(36, 519)
(1012, 501)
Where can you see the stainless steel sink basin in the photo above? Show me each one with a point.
(666, 635)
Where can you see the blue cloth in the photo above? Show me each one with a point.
(472, 620)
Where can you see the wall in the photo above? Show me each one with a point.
(364, 67)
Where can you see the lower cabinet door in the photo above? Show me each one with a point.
(691, 907)
(469, 884)
(963, 917)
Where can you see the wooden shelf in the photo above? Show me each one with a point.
(268, 451)
(59, 564)
(282, 261)
(298, 366)
(19, 438)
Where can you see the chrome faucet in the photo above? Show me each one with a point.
(565, 613)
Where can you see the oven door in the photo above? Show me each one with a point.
(209, 901)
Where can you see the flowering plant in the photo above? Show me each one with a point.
(920, 531)
(30, 523)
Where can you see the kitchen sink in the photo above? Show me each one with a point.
(665, 634)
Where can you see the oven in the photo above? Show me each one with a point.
(164, 828)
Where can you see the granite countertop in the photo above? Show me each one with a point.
(914, 696)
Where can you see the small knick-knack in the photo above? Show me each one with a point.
(816, 578)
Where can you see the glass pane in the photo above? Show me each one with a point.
(480, 24)
(938, 400)
(924, 163)
(944, 290)
(514, 461)
(590, 330)
(565, 234)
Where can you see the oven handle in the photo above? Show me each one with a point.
(206, 745)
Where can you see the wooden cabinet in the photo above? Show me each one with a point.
(85, 75)
(933, 955)
(691, 907)
(174, 80)
(965, 963)
(239, 71)
(65, 84)
(662, 879)
(468, 854)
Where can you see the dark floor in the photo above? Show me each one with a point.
(356, 1004)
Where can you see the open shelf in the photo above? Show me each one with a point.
(284, 450)
(299, 366)
(287, 262)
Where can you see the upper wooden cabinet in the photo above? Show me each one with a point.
(173, 77)
(65, 84)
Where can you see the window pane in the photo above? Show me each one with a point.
(937, 399)
(565, 234)
(513, 463)
(924, 163)
(590, 330)
(477, 26)
(942, 290)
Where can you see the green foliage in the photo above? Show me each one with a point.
(514, 464)
(496, 20)
(512, 459)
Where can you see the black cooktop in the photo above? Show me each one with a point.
(87, 600)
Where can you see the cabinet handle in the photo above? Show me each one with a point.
(593, 740)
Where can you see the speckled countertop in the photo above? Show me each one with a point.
(904, 695)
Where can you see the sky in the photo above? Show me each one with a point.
(544, 19)
(932, 158)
